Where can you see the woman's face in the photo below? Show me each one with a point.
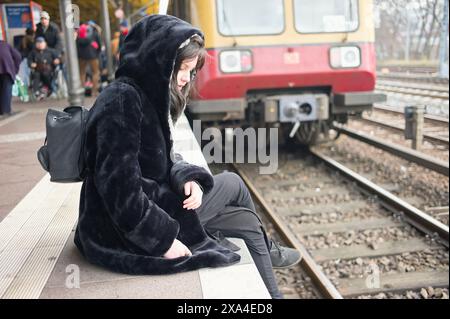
(185, 72)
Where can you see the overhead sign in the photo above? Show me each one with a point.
(36, 10)
(15, 18)
(18, 16)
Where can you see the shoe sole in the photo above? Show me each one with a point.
(289, 266)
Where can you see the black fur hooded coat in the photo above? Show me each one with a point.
(131, 200)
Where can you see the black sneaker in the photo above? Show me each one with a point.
(284, 257)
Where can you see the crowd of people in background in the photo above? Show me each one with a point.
(42, 52)
(40, 56)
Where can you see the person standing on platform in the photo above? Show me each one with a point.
(89, 49)
(50, 32)
(27, 44)
(115, 48)
(123, 34)
(10, 60)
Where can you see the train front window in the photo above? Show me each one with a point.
(326, 16)
(250, 17)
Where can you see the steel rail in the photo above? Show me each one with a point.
(429, 137)
(415, 78)
(413, 215)
(407, 91)
(424, 160)
(415, 86)
(326, 288)
(429, 117)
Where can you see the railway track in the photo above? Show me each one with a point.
(413, 90)
(414, 78)
(357, 239)
(400, 92)
(417, 86)
(408, 154)
(411, 69)
(430, 119)
(399, 127)
(387, 120)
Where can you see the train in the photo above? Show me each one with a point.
(298, 65)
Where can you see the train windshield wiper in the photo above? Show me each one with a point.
(227, 23)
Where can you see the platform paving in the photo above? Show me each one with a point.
(21, 136)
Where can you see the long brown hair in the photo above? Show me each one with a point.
(179, 99)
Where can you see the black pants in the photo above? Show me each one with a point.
(41, 78)
(6, 84)
(229, 208)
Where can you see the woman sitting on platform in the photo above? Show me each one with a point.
(142, 210)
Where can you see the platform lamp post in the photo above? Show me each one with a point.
(70, 18)
(163, 6)
(107, 39)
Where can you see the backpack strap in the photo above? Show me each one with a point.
(85, 118)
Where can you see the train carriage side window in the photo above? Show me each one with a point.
(326, 16)
(250, 17)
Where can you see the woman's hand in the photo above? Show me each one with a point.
(193, 190)
(178, 249)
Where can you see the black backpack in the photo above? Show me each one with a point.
(63, 153)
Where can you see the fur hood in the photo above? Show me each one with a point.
(131, 203)
(149, 53)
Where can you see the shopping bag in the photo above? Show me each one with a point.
(15, 89)
(20, 90)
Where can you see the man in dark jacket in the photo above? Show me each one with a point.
(42, 60)
(27, 43)
(89, 48)
(10, 60)
(50, 32)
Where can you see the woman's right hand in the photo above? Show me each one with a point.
(178, 249)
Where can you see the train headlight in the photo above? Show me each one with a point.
(236, 61)
(345, 57)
